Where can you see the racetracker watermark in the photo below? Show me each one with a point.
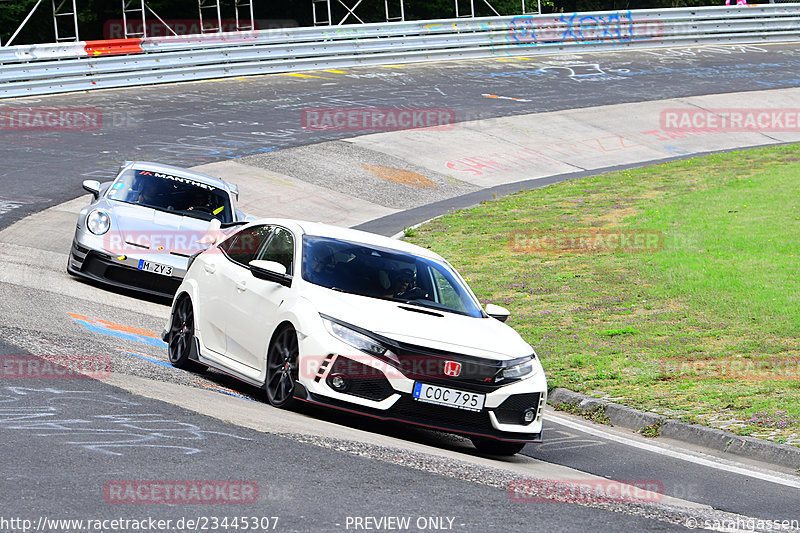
(51, 119)
(589, 240)
(586, 491)
(355, 367)
(55, 367)
(376, 118)
(781, 369)
(730, 120)
(115, 28)
(181, 492)
(179, 242)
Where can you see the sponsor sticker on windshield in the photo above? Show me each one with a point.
(179, 179)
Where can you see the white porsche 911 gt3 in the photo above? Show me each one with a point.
(140, 231)
(358, 322)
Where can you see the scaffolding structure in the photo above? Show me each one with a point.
(325, 18)
(136, 10)
(246, 22)
(471, 13)
(139, 9)
(65, 15)
(321, 10)
(538, 8)
(65, 21)
(396, 18)
(210, 16)
(61, 19)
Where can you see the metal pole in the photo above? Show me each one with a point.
(58, 11)
(238, 4)
(75, 18)
(55, 16)
(11, 40)
(125, 10)
(150, 9)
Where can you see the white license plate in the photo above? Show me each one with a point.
(147, 266)
(449, 397)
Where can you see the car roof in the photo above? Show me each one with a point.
(336, 232)
(182, 172)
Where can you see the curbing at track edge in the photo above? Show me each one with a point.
(715, 439)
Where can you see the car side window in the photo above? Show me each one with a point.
(280, 249)
(244, 245)
(447, 294)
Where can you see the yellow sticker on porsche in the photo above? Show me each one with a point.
(155, 268)
(449, 397)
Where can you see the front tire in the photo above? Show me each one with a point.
(282, 373)
(181, 336)
(497, 447)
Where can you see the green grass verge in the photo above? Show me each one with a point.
(698, 318)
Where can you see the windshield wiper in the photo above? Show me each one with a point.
(420, 304)
(421, 311)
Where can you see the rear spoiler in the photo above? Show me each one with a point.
(234, 190)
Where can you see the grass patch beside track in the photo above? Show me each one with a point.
(698, 318)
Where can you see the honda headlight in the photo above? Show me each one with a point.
(521, 370)
(355, 339)
(98, 222)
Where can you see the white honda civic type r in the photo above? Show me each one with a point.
(362, 323)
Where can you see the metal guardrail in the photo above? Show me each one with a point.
(54, 68)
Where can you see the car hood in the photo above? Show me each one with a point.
(148, 228)
(480, 337)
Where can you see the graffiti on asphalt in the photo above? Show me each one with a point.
(107, 424)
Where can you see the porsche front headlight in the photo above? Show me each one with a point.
(98, 222)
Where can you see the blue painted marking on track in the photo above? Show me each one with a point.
(230, 393)
(140, 356)
(102, 330)
(210, 387)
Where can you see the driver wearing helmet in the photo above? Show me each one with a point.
(148, 193)
(321, 268)
(402, 282)
(199, 201)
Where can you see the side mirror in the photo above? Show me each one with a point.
(92, 186)
(495, 311)
(271, 271)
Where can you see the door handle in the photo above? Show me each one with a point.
(210, 268)
(241, 286)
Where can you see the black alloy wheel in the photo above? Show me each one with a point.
(181, 336)
(282, 368)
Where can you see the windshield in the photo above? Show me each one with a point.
(387, 274)
(177, 194)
